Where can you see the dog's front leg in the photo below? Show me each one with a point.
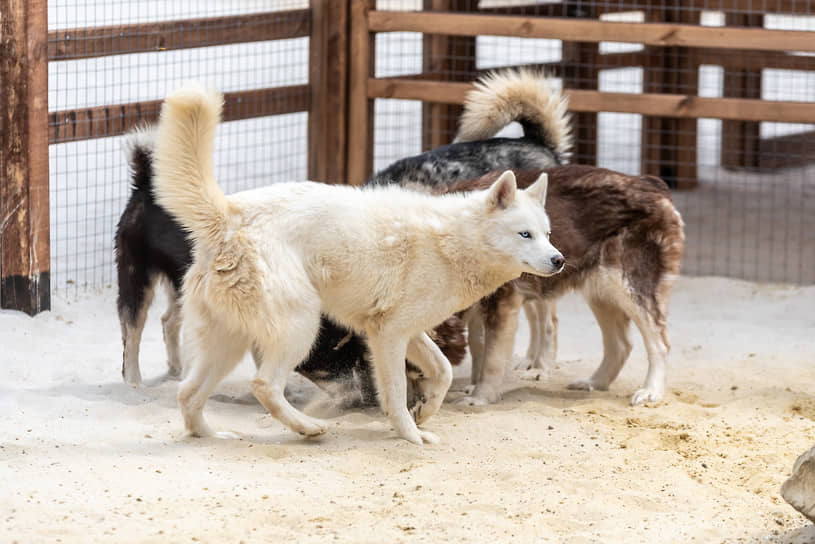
(541, 315)
(501, 324)
(388, 354)
(437, 375)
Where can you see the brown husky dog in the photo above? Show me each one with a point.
(623, 240)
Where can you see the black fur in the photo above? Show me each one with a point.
(148, 241)
(467, 160)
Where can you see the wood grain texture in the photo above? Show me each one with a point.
(569, 29)
(102, 41)
(24, 211)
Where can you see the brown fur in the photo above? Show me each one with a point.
(599, 219)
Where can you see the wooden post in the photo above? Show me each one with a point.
(24, 222)
(360, 108)
(669, 144)
(741, 139)
(580, 72)
(446, 58)
(328, 79)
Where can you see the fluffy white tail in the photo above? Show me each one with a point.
(516, 95)
(185, 183)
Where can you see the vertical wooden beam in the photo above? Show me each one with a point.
(328, 78)
(580, 72)
(741, 139)
(446, 58)
(24, 221)
(360, 108)
(669, 144)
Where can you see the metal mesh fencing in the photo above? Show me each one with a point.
(110, 63)
(746, 189)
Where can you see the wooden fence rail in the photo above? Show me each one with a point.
(682, 106)
(102, 41)
(569, 29)
(106, 121)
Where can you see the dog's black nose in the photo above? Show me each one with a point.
(558, 261)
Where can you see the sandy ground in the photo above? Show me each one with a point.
(85, 458)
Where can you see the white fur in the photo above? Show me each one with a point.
(510, 95)
(388, 263)
(140, 137)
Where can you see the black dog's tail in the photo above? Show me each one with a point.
(139, 144)
(525, 96)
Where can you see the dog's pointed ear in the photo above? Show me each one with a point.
(538, 189)
(502, 192)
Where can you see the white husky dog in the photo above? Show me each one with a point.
(386, 262)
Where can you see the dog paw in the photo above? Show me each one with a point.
(581, 385)
(426, 405)
(419, 403)
(173, 373)
(534, 374)
(227, 435)
(312, 428)
(428, 437)
(131, 379)
(587, 385)
(481, 396)
(521, 363)
(469, 400)
(646, 395)
(414, 435)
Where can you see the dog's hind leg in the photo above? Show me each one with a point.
(437, 375)
(210, 352)
(135, 296)
(614, 325)
(171, 326)
(278, 358)
(388, 355)
(656, 345)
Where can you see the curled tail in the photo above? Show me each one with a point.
(138, 145)
(524, 96)
(185, 183)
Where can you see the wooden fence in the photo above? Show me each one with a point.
(27, 127)
(669, 130)
(341, 90)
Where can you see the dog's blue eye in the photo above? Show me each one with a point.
(525, 234)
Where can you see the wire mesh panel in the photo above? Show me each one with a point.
(110, 64)
(745, 187)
